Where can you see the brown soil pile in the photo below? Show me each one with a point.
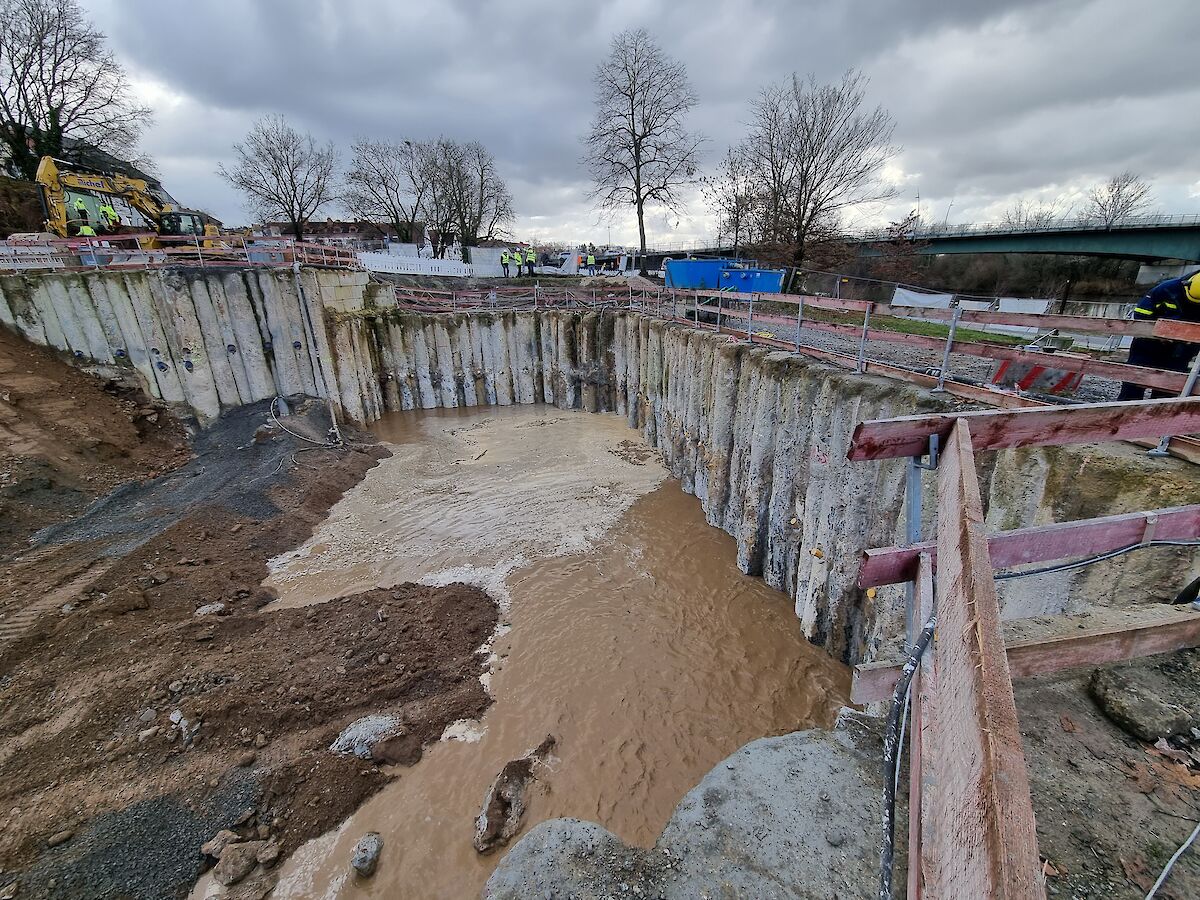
(67, 438)
(1112, 809)
(148, 700)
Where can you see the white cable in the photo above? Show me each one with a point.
(275, 418)
(1171, 862)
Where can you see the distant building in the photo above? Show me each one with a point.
(340, 232)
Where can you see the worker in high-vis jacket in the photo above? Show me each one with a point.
(81, 210)
(86, 230)
(108, 217)
(504, 261)
(591, 263)
(1175, 298)
(530, 259)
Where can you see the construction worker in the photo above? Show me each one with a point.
(81, 210)
(504, 261)
(108, 217)
(530, 259)
(86, 230)
(1175, 298)
(591, 263)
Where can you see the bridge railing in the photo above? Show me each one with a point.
(1079, 223)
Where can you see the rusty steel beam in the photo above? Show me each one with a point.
(1037, 427)
(1043, 543)
(1164, 629)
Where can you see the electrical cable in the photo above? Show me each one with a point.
(1171, 862)
(891, 757)
(1079, 563)
(325, 444)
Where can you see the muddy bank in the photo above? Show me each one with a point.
(67, 438)
(148, 700)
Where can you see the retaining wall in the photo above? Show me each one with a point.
(203, 339)
(759, 436)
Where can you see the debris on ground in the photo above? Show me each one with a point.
(365, 857)
(506, 799)
(136, 732)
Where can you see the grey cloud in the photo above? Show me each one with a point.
(992, 101)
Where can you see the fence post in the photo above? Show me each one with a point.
(453, 302)
(941, 385)
(750, 320)
(720, 304)
(862, 341)
(696, 307)
(799, 320)
(673, 313)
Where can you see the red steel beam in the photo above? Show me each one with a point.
(1037, 427)
(1043, 543)
(1175, 330)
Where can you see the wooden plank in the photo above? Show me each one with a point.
(1042, 543)
(1175, 330)
(1038, 427)
(1163, 630)
(979, 837)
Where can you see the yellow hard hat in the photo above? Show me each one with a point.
(1191, 287)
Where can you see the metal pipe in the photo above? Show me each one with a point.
(941, 385)
(1188, 387)
(799, 320)
(720, 304)
(912, 535)
(750, 321)
(862, 341)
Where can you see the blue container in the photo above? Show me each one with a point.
(696, 274)
(747, 281)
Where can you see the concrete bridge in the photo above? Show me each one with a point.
(1146, 238)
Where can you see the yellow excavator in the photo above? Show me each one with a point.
(113, 204)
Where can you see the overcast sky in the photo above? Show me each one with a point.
(993, 101)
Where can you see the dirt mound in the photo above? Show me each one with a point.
(67, 438)
(150, 700)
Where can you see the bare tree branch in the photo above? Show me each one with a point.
(283, 173)
(638, 150)
(817, 151)
(58, 80)
(1117, 199)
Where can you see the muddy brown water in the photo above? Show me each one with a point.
(628, 634)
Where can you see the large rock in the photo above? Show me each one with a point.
(504, 803)
(365, 857)
(236, 862)
(1136, 707)
(795, 816)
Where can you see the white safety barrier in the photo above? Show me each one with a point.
(395, 264)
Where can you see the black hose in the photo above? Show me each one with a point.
(891, 757)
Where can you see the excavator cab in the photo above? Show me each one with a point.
(181, 223)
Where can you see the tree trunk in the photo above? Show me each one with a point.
(298, 230)
(641, 214)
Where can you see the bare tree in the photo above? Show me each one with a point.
(821, 151)
(58, 80)
(729, 194)
(388, 181)
(1027, 214)
(284, 173)
(638, 149)
(1117, 199)
(467, 198)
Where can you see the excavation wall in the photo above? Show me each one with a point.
(759, 437)
(204, 339)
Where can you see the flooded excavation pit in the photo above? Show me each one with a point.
(627, 634)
